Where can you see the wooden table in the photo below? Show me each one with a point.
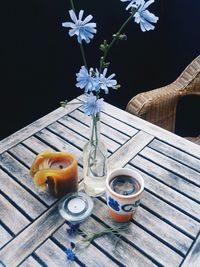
(164, 230)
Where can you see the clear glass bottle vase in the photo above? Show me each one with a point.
(95, 161)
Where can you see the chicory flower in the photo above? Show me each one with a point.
(144, 17)
(82, 28)
(133, 3)
(70, 254)
(105, 83)
(92, 105)
(85, 80)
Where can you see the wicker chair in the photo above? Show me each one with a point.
(159, 105)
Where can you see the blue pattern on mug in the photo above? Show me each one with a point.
(113, 204)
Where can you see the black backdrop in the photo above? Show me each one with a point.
(39, 59)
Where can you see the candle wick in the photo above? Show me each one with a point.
(60, 166)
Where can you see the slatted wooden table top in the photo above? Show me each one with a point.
(165, 230)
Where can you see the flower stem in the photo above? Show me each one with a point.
(102, 60)
(81, 45)
(72, 5)
(83, 55)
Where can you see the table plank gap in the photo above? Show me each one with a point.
(126, 253)
(40, 229)
(123, 253)
(172, 165)
(36, 145)
(148, 244)
(107, 130)
(174, 153)
(22, 154)
(179, 206)
(76, 139)
(21, 175)
(167, 178)
(161, 230)
(31, 262)
(52, 255)
(107, 119)
(11, 217)
(83, 134)
(193, 257)
(184, 224)
(21, 198)
(37, 125)
(129, 150)
(6, 235)
(154, 130)
(59, 144)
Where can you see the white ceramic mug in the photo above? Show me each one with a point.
(121, 207)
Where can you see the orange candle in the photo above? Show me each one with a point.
(56, 170)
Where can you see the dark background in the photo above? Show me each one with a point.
(39, 59)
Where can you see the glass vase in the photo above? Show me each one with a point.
(95, 161)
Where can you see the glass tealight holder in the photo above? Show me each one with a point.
(75, 207)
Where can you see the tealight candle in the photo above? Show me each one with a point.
(57, 170)
(75, 207)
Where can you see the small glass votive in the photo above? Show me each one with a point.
(75, 207)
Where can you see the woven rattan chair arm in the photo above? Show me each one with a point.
(157, 106)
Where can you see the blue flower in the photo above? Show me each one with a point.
(85, 80)
(72, 228)
(113, 204)
(133, 3)
(92, 105)
(144, 17)
(81, 28)
(70, 254)
(105, 83)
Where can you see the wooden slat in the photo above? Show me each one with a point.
(176, 154)
(123, 253)
(72, 137)
(118, 125)
(11, 217)
(163, 231)
(140, 238)
(23, 199)
(167, 177)
(167, 194)
(23, 154)
(129, 150)
(84, 129)
(28, 240)
(36, 126)
(59, 143)
(36, 145)
(172, 165)
(109, 127)
(171, 215)
(115, 123)
(21, 174)
(5, 236)
(30, 262)
(90, 256)
(193, 258)
(160, 133)
(77, 140)
(52, 255)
